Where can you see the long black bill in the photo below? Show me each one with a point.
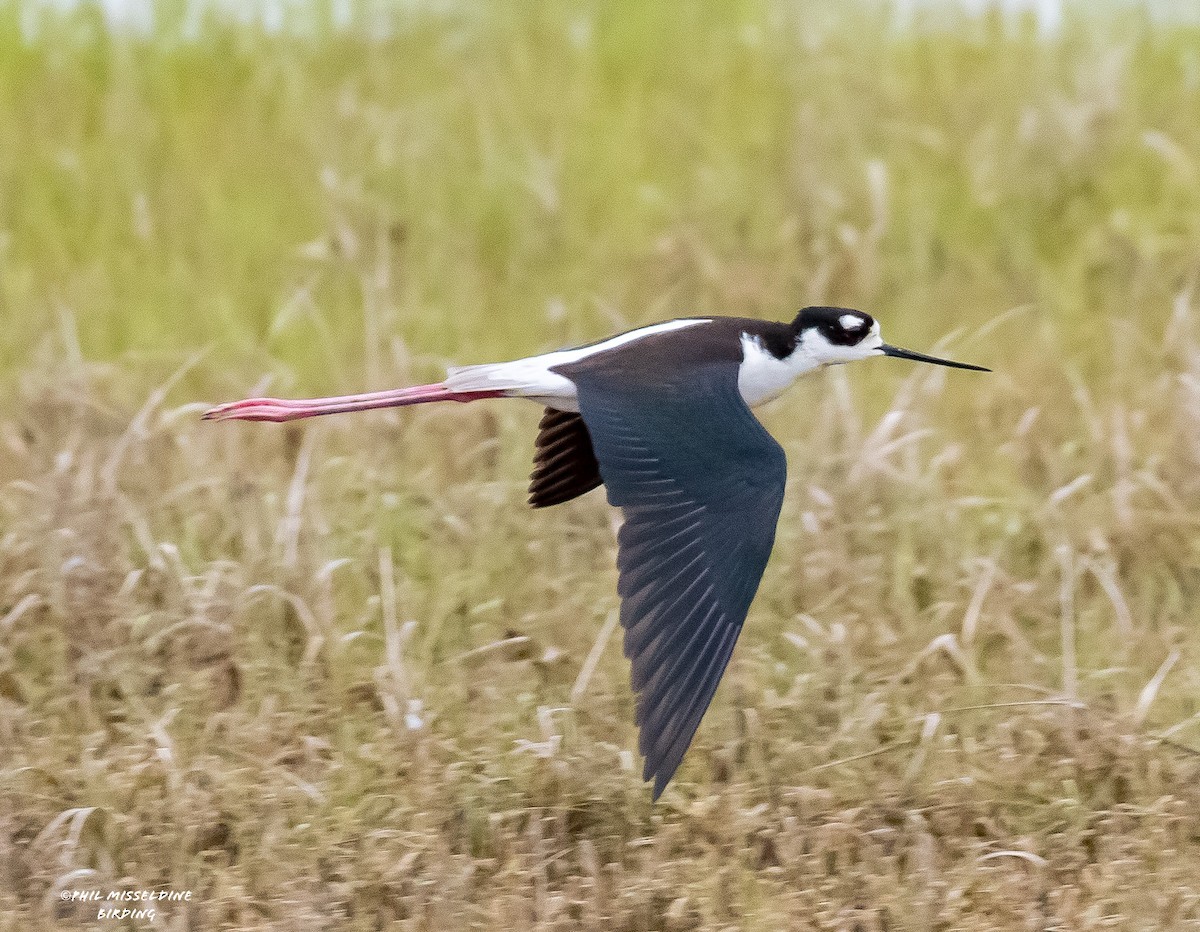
(921, 357)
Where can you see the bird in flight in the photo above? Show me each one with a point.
(661, 416)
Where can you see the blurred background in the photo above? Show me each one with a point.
(337, 675)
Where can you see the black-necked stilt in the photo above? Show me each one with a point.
(661, 417)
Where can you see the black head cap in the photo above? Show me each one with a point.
(841, 326)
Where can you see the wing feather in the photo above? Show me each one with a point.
(564, 465)
(700, 483)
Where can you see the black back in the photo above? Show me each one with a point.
(717, 339)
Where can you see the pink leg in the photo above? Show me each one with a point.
(278, 409)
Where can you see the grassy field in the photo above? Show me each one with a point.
(337, 676)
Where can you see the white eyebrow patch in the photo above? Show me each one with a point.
(851, 322)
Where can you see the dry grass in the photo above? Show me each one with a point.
(338, 676)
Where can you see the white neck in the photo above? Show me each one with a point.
(763, 376)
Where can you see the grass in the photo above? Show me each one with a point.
(337, 676)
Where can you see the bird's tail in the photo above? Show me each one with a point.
(278, 409)
(515, 377)
(533, 377)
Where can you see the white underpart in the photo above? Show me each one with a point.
(763, 376)
(531, 377)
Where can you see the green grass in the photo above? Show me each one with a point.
(977, 634)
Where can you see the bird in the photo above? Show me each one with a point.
(661, 416)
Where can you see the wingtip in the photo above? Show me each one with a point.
(649, 772)
(655, 771)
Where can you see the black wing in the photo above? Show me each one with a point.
(564, 465)
(700, 482)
